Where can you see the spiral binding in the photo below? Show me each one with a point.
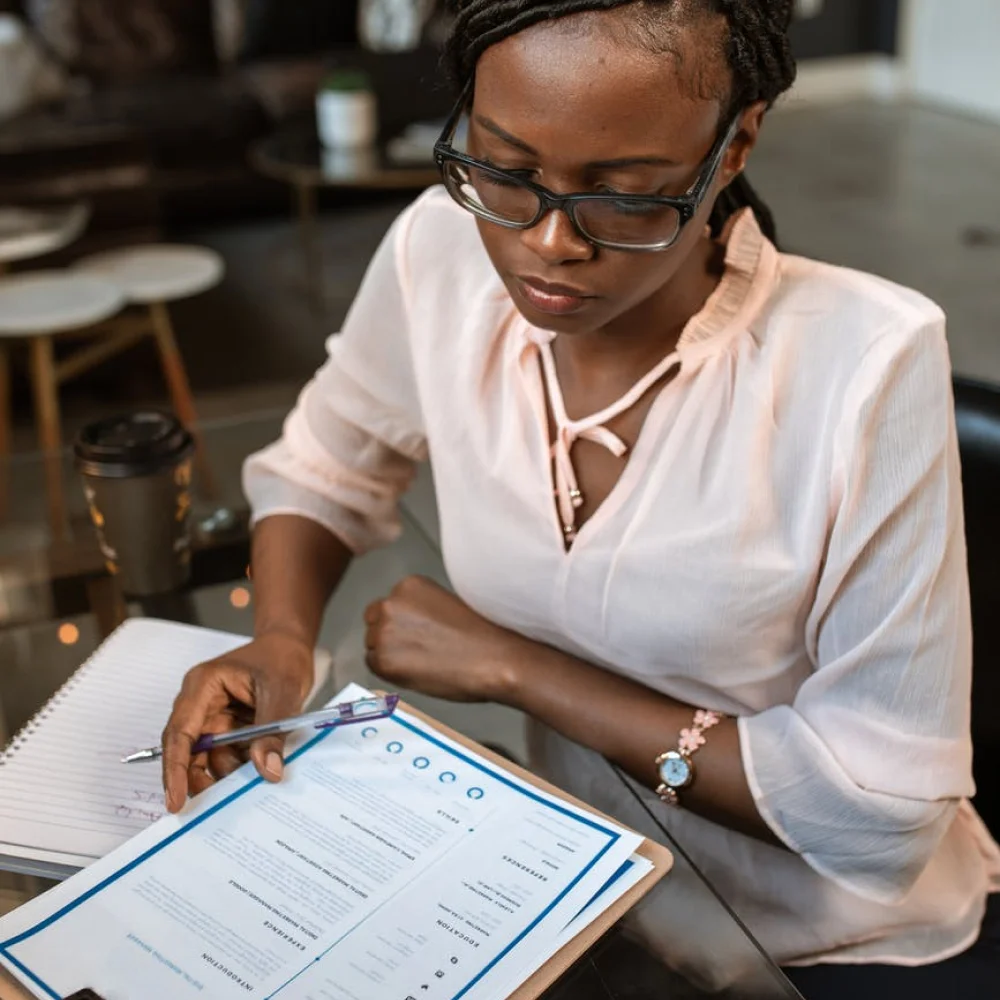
(24, 734)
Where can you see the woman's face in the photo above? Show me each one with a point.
(579, 109)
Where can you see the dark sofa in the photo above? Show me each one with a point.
(165, 144)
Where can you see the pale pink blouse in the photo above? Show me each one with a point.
(785, 545)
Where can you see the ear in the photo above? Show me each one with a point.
(746, 138)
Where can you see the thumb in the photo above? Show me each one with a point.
(277, 698)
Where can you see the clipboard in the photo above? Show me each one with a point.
(564, 959)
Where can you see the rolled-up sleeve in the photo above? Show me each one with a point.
(862, 773)
(349, 448)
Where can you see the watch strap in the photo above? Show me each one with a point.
(690, 741)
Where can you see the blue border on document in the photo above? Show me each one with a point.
(612, 836)
(5, 946)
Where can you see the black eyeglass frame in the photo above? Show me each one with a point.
(685, 205)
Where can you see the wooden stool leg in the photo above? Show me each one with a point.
(180, 389)
(5, 429)
(45, 386)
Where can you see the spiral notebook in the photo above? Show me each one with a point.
(65, 798)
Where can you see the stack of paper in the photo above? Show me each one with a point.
(392, 862)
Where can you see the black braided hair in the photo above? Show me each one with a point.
(759, 55)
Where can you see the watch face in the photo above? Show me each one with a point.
(675, 770)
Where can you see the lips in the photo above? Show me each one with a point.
(553, 298)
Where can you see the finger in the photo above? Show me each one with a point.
(202, 695)
(199, 776)
(277, 698)
(224, 760)
(177, 740)
(240, 716)
(373, 613)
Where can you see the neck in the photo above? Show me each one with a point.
(639, 338)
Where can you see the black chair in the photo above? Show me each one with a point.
(977, 408)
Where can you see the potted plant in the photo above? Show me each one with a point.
(346, 110)
(393, 25)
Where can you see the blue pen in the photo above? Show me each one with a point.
(364, 710)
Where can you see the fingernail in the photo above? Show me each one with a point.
(273, 764)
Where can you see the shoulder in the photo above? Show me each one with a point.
(832, 343)
(841, 331)
(854, 310)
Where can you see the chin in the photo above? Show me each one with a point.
(568, 325)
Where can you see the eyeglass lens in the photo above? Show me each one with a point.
(494, 195)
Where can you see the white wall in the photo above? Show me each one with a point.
(951, 53)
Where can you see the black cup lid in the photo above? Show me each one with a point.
(136, 444)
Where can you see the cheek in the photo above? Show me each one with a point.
(633, 277)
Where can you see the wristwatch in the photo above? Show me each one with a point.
(675, 767)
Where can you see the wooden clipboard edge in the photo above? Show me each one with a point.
(18, 993)
(572, 951)
(567, 956)
(564, 959)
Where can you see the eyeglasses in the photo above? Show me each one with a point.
(642, 223)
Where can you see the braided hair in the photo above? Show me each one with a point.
(758, 53)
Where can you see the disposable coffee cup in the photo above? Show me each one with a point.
(136, 473)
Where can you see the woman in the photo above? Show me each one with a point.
(748, 589)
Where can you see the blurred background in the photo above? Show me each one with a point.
(195, 122)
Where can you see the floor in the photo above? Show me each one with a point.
(901, 191)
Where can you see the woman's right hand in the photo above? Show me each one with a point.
(266, 680)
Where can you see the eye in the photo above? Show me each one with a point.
(497, 180)
(500, 177)
(628, 206)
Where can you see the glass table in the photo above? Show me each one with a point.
(294, 156)
(57, 603)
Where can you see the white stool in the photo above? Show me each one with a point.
(149, 277)
(37, 306)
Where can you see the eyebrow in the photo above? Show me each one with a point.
(625, 161)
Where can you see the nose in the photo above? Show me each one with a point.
(554, 239)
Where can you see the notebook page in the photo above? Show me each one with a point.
(63, 789)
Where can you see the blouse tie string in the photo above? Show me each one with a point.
(567, 490)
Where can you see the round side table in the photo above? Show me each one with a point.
(32, 232)
(295, 156)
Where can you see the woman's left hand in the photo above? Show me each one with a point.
(424, 638)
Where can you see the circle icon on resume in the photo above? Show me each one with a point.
(475, 793)
(447, 777)
(421, 763)
(368, 732)
(394, 747)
